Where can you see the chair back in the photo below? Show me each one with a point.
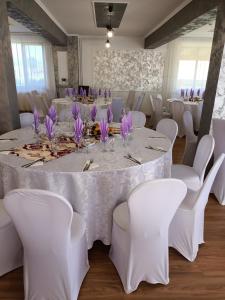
(117, 107)
(43, 221)
(158, 109)
(188, 126)
(26, 119)
(203, 154)
(84, 111)
(138, 102)
(65, 115)
(138, 119)
(130, 99)
(169, 128)
(206, 188)
(152, 206)
(101, 114)
(177, 115)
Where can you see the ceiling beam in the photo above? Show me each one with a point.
(193, 16)
(32, 16)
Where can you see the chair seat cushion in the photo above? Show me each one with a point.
(188, 175)
(4, 217)
(121, 216)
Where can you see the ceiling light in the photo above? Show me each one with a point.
(110, 32)
(107, 44)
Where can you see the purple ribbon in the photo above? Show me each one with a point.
(75, 110)
(104, 129)
(36, 120)
(93, 113)
(109, 114)
(78, 130)
(49, 126)
(52, 113)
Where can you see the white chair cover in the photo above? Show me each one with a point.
(138, 102)
(26, 119)
(158, 110)
(187, 227)
(65, 115)
(130, 100)
(194, 176)
(169, 128)
(138, 118)
(177, 114)
(191, 139)
(84, 111)
(11, 253)
(101, 114)
(139, 248)
(219, 136)
(117, 107)
(55, 246)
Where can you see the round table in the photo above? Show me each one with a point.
(94, 193)
(65, 104)
(194, 107)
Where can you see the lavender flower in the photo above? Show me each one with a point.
(99, 92)
(104, 131)
(36, 120)
(84, 93)
(75, 111)
(93, 113)
(52, 113)
(109, 114)
(105, 94)
(74, 92)
(49, 126)
(78, 130)
(109, 93)
(81, 92)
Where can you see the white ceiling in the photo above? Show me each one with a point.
(140, 18)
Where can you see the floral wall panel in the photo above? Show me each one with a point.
(124, 70)
(219, 107)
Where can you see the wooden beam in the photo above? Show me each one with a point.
(9, 113)
(32, 16)
(214, 71)
(194, 15)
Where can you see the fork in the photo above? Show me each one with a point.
(87, 165)
(155, 149)
(31, 163)
(129, 156)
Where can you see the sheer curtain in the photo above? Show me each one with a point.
(33, 64)
(187, 66)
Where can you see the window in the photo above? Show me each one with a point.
(193, 64)
(33, 65)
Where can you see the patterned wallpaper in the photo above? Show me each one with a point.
(219, 107)
(123, 70)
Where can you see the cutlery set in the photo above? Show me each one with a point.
(88, 164)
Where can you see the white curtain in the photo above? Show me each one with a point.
(33, 64)
(187, 65)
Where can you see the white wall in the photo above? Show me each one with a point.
(88, 47)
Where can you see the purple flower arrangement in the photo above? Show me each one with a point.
(109, 114)
(124, 128)
(49, 126)
(75, 111)
(78, 130)
(104, 130)
(129, 122)
(93, 113)
(52, 113)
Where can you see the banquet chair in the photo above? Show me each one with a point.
(177, 115)
(130, 100)
(186, 230)
(219, 183)
(117, 107)
(138, 102)
(139, 247)
(169, 128)
(138, 119)
(194, 176)
(55, 246)
(191, 139)
(101, 114)
(11, 248)
(65, 115)
(158, 112)
(26, 119)
(84, 111)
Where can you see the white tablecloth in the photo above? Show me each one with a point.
(194, 107)
(95, 193)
